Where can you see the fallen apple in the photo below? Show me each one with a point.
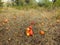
(30, 27)
(29, 32)
(42, 32)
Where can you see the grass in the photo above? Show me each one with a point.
(13, 32)
(58, 16)
(0, 9)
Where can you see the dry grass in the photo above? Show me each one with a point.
(12, 32)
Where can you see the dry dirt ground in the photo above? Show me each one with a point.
(13, 24)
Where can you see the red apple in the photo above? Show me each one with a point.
(30, 27)
(29, 32)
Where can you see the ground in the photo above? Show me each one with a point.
(13, 24)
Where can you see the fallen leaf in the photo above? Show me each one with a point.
(0, 25)
(14, 17)
(7, 28)
(3, 23)
(42, 24)
(6, 20)
(57, 21)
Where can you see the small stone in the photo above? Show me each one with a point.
(9, 39)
